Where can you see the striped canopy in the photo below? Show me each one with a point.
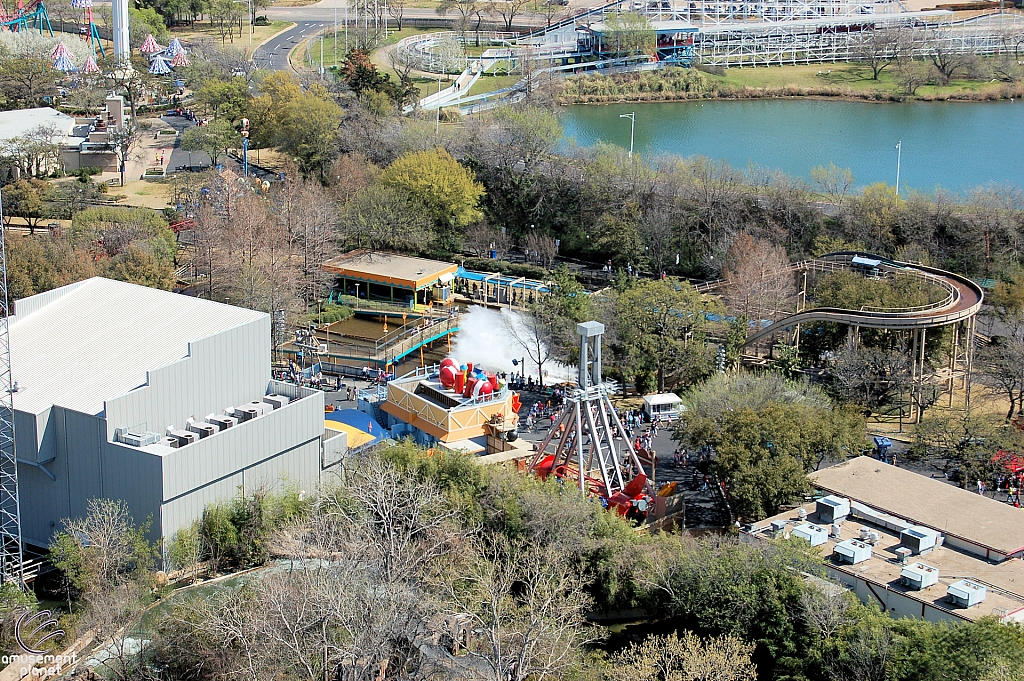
(81, 4)
(158, 66)
(180, 60)
(60, 51)
(149, 45)
(63, 63)
(90, 65)
(174, 48)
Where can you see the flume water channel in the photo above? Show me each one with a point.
(953, 145)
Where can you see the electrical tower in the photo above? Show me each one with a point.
(10, 508)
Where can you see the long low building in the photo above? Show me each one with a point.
(158, 399)
(915, 546)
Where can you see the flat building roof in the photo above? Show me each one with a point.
(389, 269)
(82, 344)
(884, 566)
(931, 503)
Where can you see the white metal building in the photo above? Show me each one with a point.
(100, 364)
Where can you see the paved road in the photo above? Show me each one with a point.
(273, 55)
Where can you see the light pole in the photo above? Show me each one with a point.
(252, 22)
(245, 146)
(632, 125)
(899, 153)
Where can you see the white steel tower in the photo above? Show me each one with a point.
(120, 16)
(10, 509)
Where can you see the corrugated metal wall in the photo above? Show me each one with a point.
(224, 370)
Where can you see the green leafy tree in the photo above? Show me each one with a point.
(964, 442)
(26, 199)
(447, 190)
(213, 138)
(308, 131)
(629, 33)
(227, 98)
(657, 319)
(25, 81)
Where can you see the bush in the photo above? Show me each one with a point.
(88, 171)
(505, 267)
(328, 314)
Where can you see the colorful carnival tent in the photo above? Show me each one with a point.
(60, 51)
(150, 45)
(158, 66)
(180, 60)
(90, 65)
(64, 63)
(174, 48)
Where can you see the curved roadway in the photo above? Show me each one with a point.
(963, 300)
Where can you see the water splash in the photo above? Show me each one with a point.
(484, 340)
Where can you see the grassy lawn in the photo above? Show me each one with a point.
(488, 83)
(205, 30)
(853, 77)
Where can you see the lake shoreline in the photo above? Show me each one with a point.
(944, 144)
(1010, 94)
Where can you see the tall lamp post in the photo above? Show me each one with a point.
(632, 126)
(899, 153)
(245, 147)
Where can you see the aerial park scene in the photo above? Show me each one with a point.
(668, 340)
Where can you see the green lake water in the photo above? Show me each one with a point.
(952, 145)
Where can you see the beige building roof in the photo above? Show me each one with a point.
(390, 269)
(927, 502)
(1005, 580)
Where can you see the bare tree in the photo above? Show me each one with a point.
(878, 49)
(689, 658)
(757, 279)
(533, 332)
(946, 59)
(541, 247)
(834, 181)
(528, 606)
(508, 10)
(826, 607)
(396, 8)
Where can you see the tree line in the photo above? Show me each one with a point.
(412, 564)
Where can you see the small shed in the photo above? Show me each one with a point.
(663, 406)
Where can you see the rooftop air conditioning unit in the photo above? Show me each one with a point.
(778, 527)
(203, 429)
(852, 552)
(919, 576)
(965, 593)
(815, 534)
(222, 422)
(183, 437)
(139, 439)
(832, 509)
(904, 554)
(168, 441)
(276, 401)
(246, 413)
(919, 539)
(261, 408)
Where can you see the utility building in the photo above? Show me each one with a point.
(158, 399)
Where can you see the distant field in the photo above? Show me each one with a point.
(853, 77)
